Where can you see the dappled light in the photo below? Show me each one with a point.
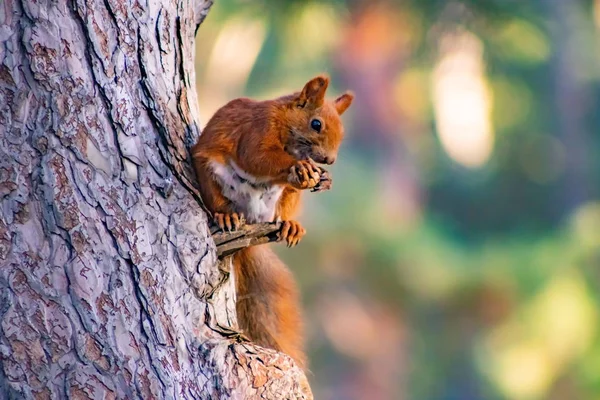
(540, 343)
(457, 255)
(230, 62)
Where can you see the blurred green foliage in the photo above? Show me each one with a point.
(424, 277)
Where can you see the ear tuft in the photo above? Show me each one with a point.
(321, 81)
(313, 93)
(343, 102)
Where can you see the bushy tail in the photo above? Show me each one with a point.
(268, 306)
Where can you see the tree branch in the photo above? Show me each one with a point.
(248, 235)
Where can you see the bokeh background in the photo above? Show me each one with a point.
(458, 254)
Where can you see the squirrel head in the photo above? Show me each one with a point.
(314, 123)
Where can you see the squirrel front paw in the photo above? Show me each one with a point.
(229, 222)
(291, 232)
(305, 174)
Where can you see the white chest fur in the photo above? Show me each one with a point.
(256, 198)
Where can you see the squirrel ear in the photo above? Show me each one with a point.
(343, 102)
(313, 92)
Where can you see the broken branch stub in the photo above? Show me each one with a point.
(248, 235)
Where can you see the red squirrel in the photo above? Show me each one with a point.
(252, 160)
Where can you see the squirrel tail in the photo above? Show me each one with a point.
(268, 308)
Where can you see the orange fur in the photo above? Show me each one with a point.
(272, 141)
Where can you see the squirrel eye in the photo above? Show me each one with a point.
(316, 125)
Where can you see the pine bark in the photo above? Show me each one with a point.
(110, 284)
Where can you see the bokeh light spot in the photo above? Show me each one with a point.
(462, 102)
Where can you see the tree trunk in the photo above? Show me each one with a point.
(110, 285)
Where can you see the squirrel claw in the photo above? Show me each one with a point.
(229, 222)
(291, 232)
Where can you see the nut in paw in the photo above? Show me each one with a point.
(324, 183)
(305, 174)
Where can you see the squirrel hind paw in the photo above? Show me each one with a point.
(229, 222)
(292, 232)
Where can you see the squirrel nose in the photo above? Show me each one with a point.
(330, 160)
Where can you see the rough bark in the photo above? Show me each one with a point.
(110, 285)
